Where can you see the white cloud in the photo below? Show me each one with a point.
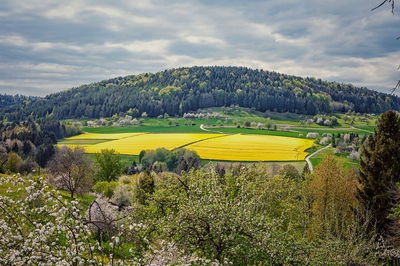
(14, 40)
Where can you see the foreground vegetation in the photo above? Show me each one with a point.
(170, 210)
(242, 217)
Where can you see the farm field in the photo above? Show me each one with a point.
(134, 144)
(241, 147)
(237, 147)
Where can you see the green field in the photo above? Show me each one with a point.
(146, 128)
(347, 162)
(233, 130)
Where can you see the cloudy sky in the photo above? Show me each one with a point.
(47, 46)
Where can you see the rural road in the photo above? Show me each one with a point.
(202, 128)
(312, 154)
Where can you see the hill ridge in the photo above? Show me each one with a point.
(180, 90)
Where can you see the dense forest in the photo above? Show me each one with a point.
(9, 100)
(177, 91)
(27, 145)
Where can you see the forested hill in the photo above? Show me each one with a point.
(177, 91)
(9, 100)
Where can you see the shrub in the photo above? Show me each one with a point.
(312, 135)
(159, 167)
(354, 155)
(101, 215)
(105, 188)
(27, 167)
(124, 179)
(289, 171)
(123, 196)
(13, 162)
(324, 140)
(144, 187)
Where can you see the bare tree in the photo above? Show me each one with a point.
(70, 170)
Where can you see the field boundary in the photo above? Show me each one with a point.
(200, 140)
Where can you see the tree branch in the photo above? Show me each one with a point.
(384, 2)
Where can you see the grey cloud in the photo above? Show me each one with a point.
(47, 46)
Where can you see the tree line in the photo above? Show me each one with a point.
(29, 145)
(178, 91)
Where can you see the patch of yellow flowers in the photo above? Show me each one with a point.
(237, 147)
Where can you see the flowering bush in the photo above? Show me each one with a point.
(38, 226)
(41, 227)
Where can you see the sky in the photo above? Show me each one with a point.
(49, 46)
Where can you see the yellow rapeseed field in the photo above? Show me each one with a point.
(236, 147)
(252, 148)
(135, 144)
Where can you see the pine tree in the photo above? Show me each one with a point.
(380, 170)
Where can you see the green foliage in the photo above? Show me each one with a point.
(109, 165)
(144, 187)
(162, 159)
(244, 217)
(289, 171)
(159, 167)
(32, 139)
(224, 220)
(141, 154)
(43, 154)
(252, 219)
(187, 160)
(13, 162)
(106, 188)
(160, 155)
(379, 171)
